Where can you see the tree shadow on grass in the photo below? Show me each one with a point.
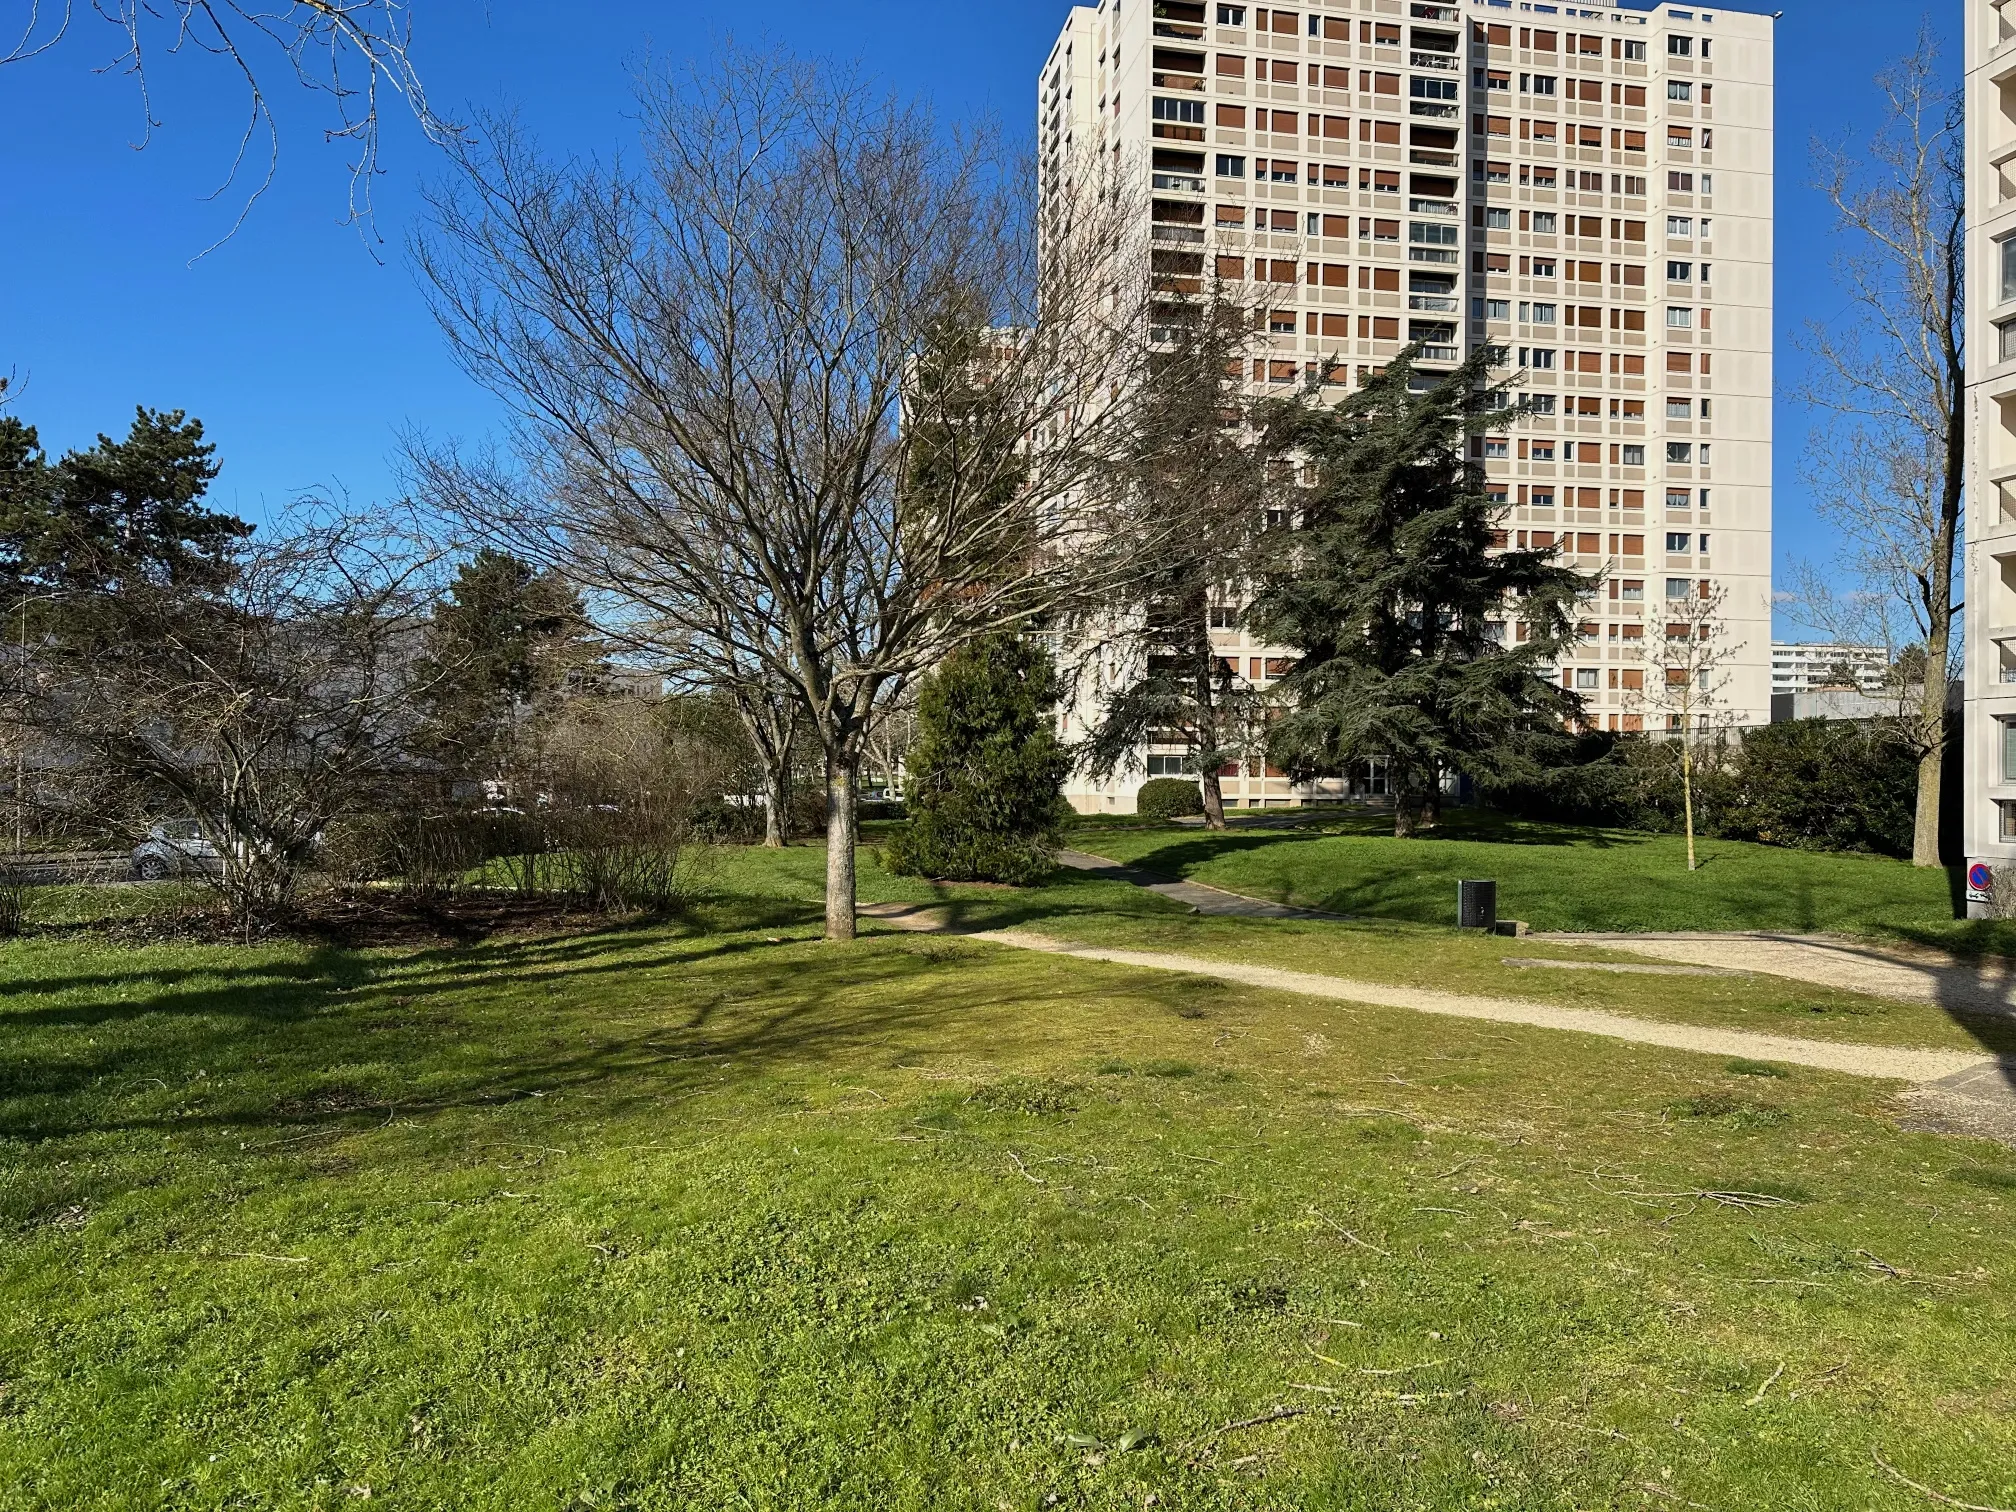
(281, 1061)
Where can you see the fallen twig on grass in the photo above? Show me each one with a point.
(1769, 1381)
(1027, 1174)
(1346, 1233)
(1944, 1500)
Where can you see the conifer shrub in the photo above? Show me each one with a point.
(983, 790)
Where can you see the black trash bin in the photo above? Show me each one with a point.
(1476, 905)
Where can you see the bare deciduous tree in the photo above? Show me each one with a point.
(1889, 465)
(800, 395)
(1195, 457)
(354, 53)
(264, 709)
(1684, 650)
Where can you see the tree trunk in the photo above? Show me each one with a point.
(1431, 803)
(1214, 799)
(1403, 814)
(776, 805)
(1938, 643)
(1687, 791)
(842, 769)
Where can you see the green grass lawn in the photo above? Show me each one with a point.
(685, 1217)
(1561, 877)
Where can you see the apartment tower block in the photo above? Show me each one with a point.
(1585, 189)
(1988, 581)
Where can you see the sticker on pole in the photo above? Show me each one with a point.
(1980, 883)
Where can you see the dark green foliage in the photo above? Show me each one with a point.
(985, 772)
(1823, 785)
(1387, 584)
(1168, 798)
(122, 514)
(505, 641)
(1811, 783)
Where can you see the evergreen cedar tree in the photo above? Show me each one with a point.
(987, 769)
(123, 514)
(505, 640)
(1382, 581)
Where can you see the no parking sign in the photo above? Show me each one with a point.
(1980, 883)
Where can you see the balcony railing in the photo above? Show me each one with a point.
(1179, 233)
(1438, 353)
(1432, 207)
(1432, 108)
(1432, 254)
(1448, 62)
(1423, 12)
(1179, 181)
(1431, 159)
(1446, 302)
(1187, 30)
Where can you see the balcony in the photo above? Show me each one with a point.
(1432, 207)
(1423, 12)
(1432, 254)
(1444, 302)
(1188, 31)
(1433, 109)
(1447, 62)
(1180, 182)
(1431, 159)
(1438, 354)
(1179, 234)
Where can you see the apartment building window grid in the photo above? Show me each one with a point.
(1563, 214)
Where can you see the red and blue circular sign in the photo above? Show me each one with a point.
(1979, 877)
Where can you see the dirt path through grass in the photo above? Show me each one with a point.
(1918, 1067)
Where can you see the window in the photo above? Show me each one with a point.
(1679, 225)
(1168, 766)
(1679, 451)
(1496, 448)
(1707, 183)
(1543, 222)
(1430, 234)
(1633, 591)
(1543, 84)
(1678, 498)
(1496, 219)
(1676, 588)
(2008, 755)
(1190, 111)
(1538, 404)
(1678, 318)
(1431, 89)
(1231, 15)
(1492, 78)
(1633, 183)
(1585, 677)
(1634, 456)
(2006, 338)
(1679, 272)
(1679, 47)
(1224, 617)
(1279, 170)
(1679, 183)
(1634, 52)
(1543, 451)
(2008, 256)
(1543, 314)
(1497, 309)
(2008, 813)
(1701, 545)
(1543, 267)
(1231, 167)
(1536, 357)
(1677, 540)
(1679, 89)
(1679, 409)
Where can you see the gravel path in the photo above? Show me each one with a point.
(1195, 896)
(1956, 1068)
(1900, 972)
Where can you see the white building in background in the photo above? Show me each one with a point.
(1586, 188)
(1809, 666)
(1989, 570)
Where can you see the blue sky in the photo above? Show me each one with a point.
(305, 358)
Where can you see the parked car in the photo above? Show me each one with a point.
(173, 847)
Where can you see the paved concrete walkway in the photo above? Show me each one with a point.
(1918, 1067)
(1195, 896)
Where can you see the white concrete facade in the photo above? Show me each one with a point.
(1808, 666)
(1586, 188)
(1989, 565)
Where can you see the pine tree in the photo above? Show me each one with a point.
(121, 514)
(1387, 583)
(985, 775)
